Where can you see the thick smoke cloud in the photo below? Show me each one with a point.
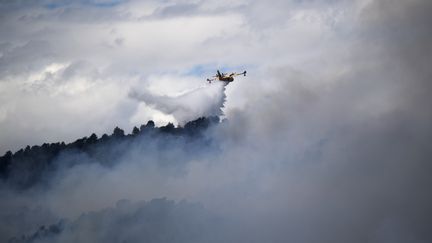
(204, 101)
(158, 220)
(335, 152)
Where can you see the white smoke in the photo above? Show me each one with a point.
(347, 160)
(204, 101)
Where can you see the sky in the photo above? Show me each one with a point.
(327, 138)
(68, 67)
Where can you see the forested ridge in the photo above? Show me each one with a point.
(33, 164)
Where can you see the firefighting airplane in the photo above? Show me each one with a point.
(225, 77)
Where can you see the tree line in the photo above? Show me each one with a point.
(32, 164)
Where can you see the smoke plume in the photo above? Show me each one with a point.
(340, 152)
(204, 101)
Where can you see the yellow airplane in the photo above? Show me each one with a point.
(225, 77)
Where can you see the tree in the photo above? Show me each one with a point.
(4, 163)
(135, 131)
(104, 137)
(92, 139)
(150, 125)
(118, 132)
(169, 128)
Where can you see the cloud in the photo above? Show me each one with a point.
(328, 139)
(205, 101)
(159, 220)
(79, 37)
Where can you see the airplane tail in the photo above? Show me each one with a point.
(244, 73)
(219, 74)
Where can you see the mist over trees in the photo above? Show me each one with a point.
(327, 141)
(34, 165)
(158, 220)
(35, 168)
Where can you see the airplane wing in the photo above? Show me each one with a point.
(238, 74)
(211, 79)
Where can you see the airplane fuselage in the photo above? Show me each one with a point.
(226, 79)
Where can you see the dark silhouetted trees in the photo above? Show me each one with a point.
(135, 131)
(118, 133)
(29, 166)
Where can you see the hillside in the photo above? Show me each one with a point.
(34, 165)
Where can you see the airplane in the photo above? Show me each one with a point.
(225, 77)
